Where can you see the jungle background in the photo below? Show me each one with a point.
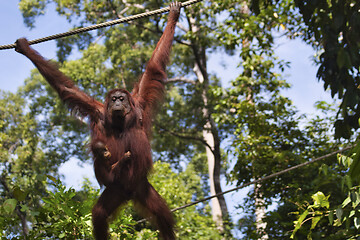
(224, 122)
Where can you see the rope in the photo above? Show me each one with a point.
(259, 180)
(101, 25)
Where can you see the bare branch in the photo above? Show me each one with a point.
(122, 11)
(184, 136)
(180, 79)
(128, 5)
(186, 43)
(13, 147)
(182, 27)
(133, 5)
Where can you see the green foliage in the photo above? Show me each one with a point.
(320, 202)
(31, 9)
(332, 28)
(9, 205)
(353, 163)
(271, 140)
(22, 161)
(63, 214)
(90, 72)
(180, 189)
(66, 214)
(344, 217)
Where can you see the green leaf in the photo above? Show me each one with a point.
(331, 217)
(19, 194)
(355, 165)
(299, 222)
(345, 160)
(24, 208)
(9, 205)
(324, 169)
(339, 213)
(348, 181)
(351, 214)
(357, 222)
(51, 178)
(343, 58)
(320, 200)
(346, 202)
(355, 199)
(314, 221)
(41, 177)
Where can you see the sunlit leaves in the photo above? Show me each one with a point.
(343, 216)
(355, 163)
(31, 9)
(9, 205)
(313, 213)
(180, 189)
(320, 200)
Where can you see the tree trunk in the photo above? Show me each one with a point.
(217, 214)
(260, 212)
(210, 135)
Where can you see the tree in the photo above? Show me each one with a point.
(268, 135)
(331, 28)
(21, 164)
(261, 119)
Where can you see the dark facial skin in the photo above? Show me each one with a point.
(119, 105)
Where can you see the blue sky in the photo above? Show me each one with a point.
(15, 68)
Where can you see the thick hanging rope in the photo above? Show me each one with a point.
(260, 180)
(101, 25)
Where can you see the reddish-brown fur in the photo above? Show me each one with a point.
(124, 171)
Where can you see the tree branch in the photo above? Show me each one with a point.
(182, 27)
(184, 136)
(128, 5)
(180, 79)
(134, 5)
